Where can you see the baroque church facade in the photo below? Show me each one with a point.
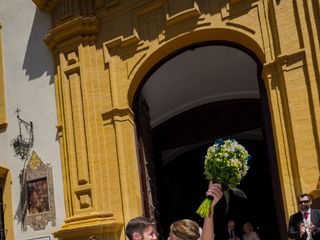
(107, 108)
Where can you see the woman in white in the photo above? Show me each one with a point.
(249, 234)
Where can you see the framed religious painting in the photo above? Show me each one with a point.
(37, 195)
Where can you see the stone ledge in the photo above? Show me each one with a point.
(87, 225)
(117, 114)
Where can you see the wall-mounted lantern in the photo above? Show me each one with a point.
(23, 143)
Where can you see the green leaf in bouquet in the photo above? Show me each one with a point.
(237, 191)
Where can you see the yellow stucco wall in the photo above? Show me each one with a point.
(6, 185)
(3, 113)
(103, 51)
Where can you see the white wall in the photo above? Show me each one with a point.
(28, 73)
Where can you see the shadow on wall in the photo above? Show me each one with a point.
(38, 60)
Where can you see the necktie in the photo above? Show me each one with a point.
(307, 223)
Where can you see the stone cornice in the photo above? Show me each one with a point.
(46, 5)
(80, 29)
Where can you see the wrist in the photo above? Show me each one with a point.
(211, 213)
(212, 210)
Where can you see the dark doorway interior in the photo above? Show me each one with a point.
(180, 181)
(173, 140)
(182, 187)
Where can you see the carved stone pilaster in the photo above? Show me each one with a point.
(72, 41)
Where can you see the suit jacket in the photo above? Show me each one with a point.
(227, 235)
(295, 221)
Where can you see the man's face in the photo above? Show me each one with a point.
(149, 233)
(231, 225)
(304, 203)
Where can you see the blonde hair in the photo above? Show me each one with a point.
(247, 224)
(186, 229)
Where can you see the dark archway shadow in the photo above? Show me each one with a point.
(36, 61)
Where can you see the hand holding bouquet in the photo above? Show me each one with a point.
(215, 193)
(226, 163)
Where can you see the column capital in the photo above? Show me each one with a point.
(46, 5)
(74, 31)
(73, 22)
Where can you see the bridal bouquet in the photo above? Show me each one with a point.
(226, 163)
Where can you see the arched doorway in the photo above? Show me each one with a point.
(187, 101)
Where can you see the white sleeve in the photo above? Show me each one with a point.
(256, 236)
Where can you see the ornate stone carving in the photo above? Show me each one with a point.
(39, 194)
(176, 14)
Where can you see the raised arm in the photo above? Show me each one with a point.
(215, 191)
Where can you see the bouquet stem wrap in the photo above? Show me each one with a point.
(205, 207)
(226, 163)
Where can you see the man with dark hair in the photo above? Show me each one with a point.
(141, 228)
(305, 224)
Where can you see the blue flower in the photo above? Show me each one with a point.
(249, 158)
(219, 141)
